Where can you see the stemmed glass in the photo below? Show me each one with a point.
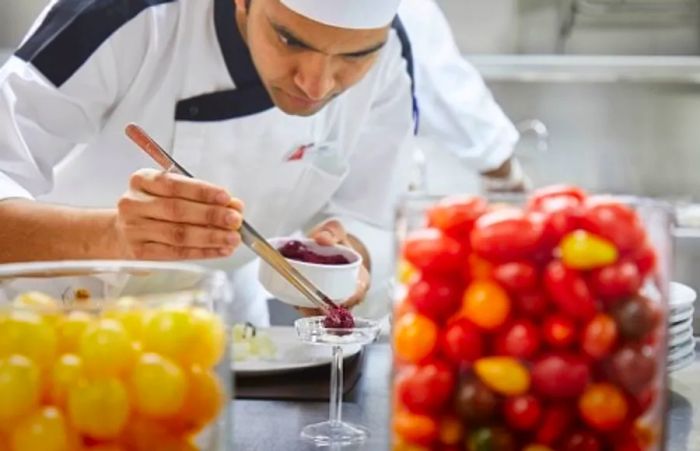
(335, 431)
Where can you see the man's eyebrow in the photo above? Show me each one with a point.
(292, 39)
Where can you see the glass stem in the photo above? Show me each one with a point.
(336, 404)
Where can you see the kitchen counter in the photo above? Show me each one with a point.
(269, 425)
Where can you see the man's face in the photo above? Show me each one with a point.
(302, 63)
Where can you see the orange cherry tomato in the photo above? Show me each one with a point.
(415, 337)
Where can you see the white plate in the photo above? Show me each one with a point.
(681, 350)
(680, 338)
(681, 363)
(292, 354)
(681, 327)
(681, 295)
(680, 315)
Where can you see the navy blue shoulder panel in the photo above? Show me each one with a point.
(73, 30)
(407, 54)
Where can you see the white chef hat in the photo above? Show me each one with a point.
(355, 14)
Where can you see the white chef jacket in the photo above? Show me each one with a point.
(457, 110)
(181, 70)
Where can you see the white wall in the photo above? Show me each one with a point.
(16, 16)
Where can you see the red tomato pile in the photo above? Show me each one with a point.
(525, 328)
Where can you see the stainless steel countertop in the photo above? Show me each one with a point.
(269, 425)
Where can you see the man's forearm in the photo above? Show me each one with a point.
(33, 231)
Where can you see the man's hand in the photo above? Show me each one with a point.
(332, 232)
(508, 178)
(171, 217)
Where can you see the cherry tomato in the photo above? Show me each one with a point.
(605, 216)
(599, 336)
(532, 305)
(541, 196)
(582, 441)
(584, 250)
(640, 402)
(537, 447)
(616, 281)
(455, 215)
(504, 375)
(516, 277)
(523, 412)
(506, 234)
(562, 208)
(451, 431)
(461, 342)
(568, 290)
(435, 296)
(559, 331)
(634, 367)
(520, 339)
(603, 407)
(475, 403)
(415, 428)
(556, 421)
(560, 376)
(645, 260)
(477, 268)
(415, 337)
(426, 388)
(486, 304)
(431, 251)
(491, 439)
(635, 317)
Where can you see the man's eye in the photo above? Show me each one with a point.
(287, 41)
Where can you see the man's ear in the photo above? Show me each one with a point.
(241, 5)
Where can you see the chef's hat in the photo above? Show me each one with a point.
(356, 14)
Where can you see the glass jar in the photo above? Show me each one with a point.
(530, 324)
(125, 355)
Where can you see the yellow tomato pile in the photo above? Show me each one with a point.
(131, 378)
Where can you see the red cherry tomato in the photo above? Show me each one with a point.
(619, 280)
(435, 296)
(539, 198)
(431, 251)
(520, 339)
(522, 412)
(516, 277)
(477, 268)
(582, 441)
(532, 305)
(559, 331)
(415, 428)
(426, 388)
(608, 218)
(634, 367)
(506, 234)
(455, 215)
(560, 376)
(645, 260)
(462, 342)
(569, 291)
(556, 422)
(603, 407)
(599, 336)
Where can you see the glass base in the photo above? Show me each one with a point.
(333, 433)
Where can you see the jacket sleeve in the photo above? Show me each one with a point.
(457, 109)
(60, 86)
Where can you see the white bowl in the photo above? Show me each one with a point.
(338, 282)
(681, 296)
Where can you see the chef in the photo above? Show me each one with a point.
(457, 111)
(298, 114)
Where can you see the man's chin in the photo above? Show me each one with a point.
(296, 106)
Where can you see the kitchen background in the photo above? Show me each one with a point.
(606, 94)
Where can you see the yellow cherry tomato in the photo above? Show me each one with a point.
(583, 250)
(504, 375)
